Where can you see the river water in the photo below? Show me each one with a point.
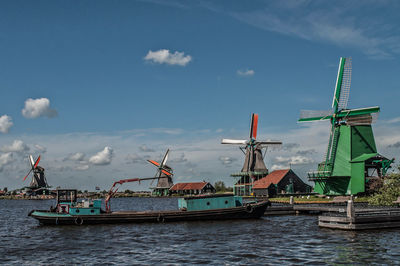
(271, 240)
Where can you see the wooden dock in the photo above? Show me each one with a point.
(370, 218)
(345, 216)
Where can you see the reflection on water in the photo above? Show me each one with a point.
(271, 240)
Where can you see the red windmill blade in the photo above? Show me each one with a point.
(37, 162)
(254, 125)
(154, 162)
(27, 174)
(166, 172)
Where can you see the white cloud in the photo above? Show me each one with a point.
(17, 146)
(103, 157)
(293, 160)
(306, 152)
(180, 159)
(202, 150)
(393, 120)
(5, 123)
(245, 73)
(226, 160)
(78, 156)
(316, 22)
(145, 148)
(164, 56)
(278, 167)
(35, 108)
(134, 159)
(290, 146)
(82, 167)
(40, 148)
(5, 159)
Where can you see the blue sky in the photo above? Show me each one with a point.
(139, 77)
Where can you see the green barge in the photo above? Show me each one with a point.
(69, 211)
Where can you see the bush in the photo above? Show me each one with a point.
(389, 191)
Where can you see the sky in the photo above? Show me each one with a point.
(98, 87)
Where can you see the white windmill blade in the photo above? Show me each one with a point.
(346, 82)
(31, 160)
(270, 144)
(234, 141)
(164, 160)
(314, 115)
(337, 81)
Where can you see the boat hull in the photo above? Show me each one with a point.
(250, 211)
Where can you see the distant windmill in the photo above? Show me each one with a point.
(254, 167)
(38, 181)
(164, 174)
(351, 152)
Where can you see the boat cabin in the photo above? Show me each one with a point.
(209, 202)
(67, 203)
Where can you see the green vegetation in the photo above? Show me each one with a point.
(300, 199)
(388, 192)
(221, 188)
(312, 199)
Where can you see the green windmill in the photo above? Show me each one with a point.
(351, 161)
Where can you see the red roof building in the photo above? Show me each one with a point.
(273, 178)
(192, 188)
(280, 182)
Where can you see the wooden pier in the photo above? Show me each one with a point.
(370, 218)
(345, 215)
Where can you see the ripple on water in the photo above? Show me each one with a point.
(271, 240)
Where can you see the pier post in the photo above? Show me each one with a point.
(291, 200)
(350, 210)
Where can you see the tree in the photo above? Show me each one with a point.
(389, 191)
(220, 187)
(5, 190)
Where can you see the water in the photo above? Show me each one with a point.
(270, 240)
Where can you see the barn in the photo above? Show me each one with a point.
(280, 182)
(192, 188)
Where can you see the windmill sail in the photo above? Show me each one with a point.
(314, 115)
(346, 83)
(234, 141)
(360, 120)
(253, 126)
(342, 87)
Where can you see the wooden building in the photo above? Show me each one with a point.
(280, 182)
(192, 188)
